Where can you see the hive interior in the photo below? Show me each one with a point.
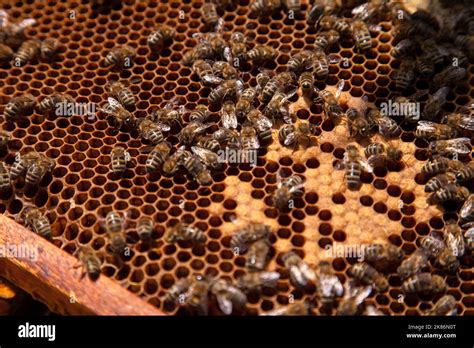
(82, 189)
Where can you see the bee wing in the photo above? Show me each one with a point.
(339, 165)
(224, 304)
(427, 126)
(340, 87)
(263, 123)
(28, 22)
(163, 126)
(468, 207)
(290, 139)
(203, 127)
(114, 103)
(212, 79)
(3, 18)
(307, 271)
(229, 120)
(269, 277)
(459, 145)
(254, 143)
(365, 165)
(360, 11)
(297, 188)
(228, 55)
(202, 153)
(360, 294)
(467, 122)
(333, 59)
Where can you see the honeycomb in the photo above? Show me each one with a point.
(390, 205)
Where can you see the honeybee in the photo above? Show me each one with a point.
(256, 281)
(428, 130)
(404, 48)
(384, 256)
(425, 65)
(38, 222)
(451, 192)
(260, 54)
(21, 164)
(228, 115)
(454, 247)
(6, 53)
(405, 74)
(296, 308)
(329, 21)
(257, 255)
(205, 72)
(437, 165)
(203, 50)
(278, 107)
(332, 109)
(118, 114)
(197, 169)
(38, 168)
(439, 181)
(446, 306)
(459, 120)
(300, 61)
(315, 13)
(172, 163)
(200, 114)
(5, 138)
(191, 292)
(230, 89)
(433, 245)
(52, 102)
(370, 10)
(262, 125)
(301, 274)
(469, 236)
(373, 311)
(300, 134)
(353, 298)
(5, 183)
(467, 210)
(292, 6)
(228, 296)
(265, 7)
(121, 92)
(28, 51)
(209, 14)
(121, 57)
(328, 284)
(434, 103)
(262, 79)
(157, 156)
(209, 143)
(114, 225)
(369, 276)
(145, 228)
(229, 136)
(238, 45)
(424, 283)
(151, 131)
(12, 34)
(458, 146)
(189, 133)
(277, 84)
(249, 234)
(287, 189)
(378, 155)
(49, 49)
(361, 35)
(119, 160)
(168, 114)
(225, 70)
(208, 157)
(449, 75)
(387, 127)
(245, 103)
(185, 232)
(306, 83)
(413, 264)
(353, 164)
(19, 106)
(357, 123)
(160, 38)
(89, 261)
(320, 65)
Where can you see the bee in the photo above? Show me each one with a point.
(209, 143)
(168, 114)
(189, 133)
(225, 70)
(120, 116)
(121, 57)
(21, 164)
(467, 210)
(203, 50)
(434, 103)
(449, 75)
(160, 38)
(209, 14)
(260, 54)
(151, 131)
(262, 79)
(245, 103)
(373, 311)
(369, 276)
(439, 181)
(49, 49)
(230, 89)
(192, 293)
(249, 234)
(276, 84)
(38, 168)
(28, 51)
(185, 232)
(457, 146)
(459, 120)
(145, 228)
(114, 225)
(329, 21)
(52, 103)
(205, 72)
(238, 45)
(387, 127)
(370, 10)
(424, 283)
(446, 306)
(38, 222)
(332, 109)
(384, 256)
(262, 125)
(256, 281)
(208, 157)
(451, 192)
(315, 13)
(157, 156)
(287, 189)
(265, 7)
(293, 309)
(229, 136)
(228, 115)
(292, 6)
(229, 297)
(6, 53)
(469, 236)
(306, 82)
(89, 261)
(357, 123)
(453, 249)
(321, 65)
(405, 74)
(5, 182)
(425, 65)
(175, 293)
(361, 35)
(197, 169)
(278, 107)
(328, 284)
(172, 163)
(301, 134)
(200, 114)
(5, 138)
(331, 36)
(437, 165)
(353, 165)
(19, 106)
(257, 255)
(119, 160)
(121, 92)
(431, 49)
(433, 245)
(301, 274)
(300, 61)
(428, 130)
(404, 48)
(413, 264)
(353, 298)
(12, 34)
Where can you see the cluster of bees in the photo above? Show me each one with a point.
(245, 127)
